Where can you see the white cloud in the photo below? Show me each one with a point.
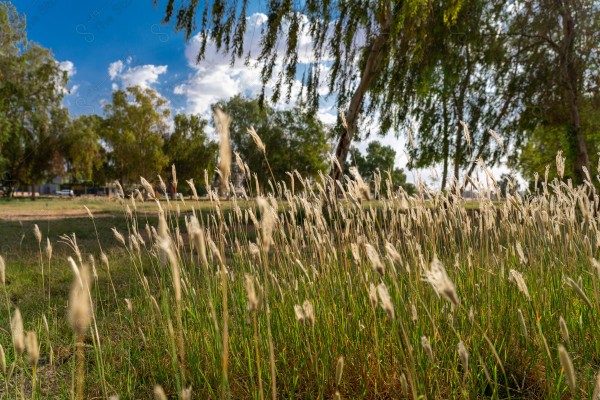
(141, 75)
(114, 69)
(68, 67)
(214, 78)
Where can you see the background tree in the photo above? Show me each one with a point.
(294, 139)
(559, 70)
(372, 47)
(31, 115)
(81, 149)
(379, 158)
(189, 149)
(136, 123)
(466, 78)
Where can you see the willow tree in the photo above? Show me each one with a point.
(560, 70)
(370, 49)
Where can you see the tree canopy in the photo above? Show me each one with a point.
(293, 139)
(32, 117)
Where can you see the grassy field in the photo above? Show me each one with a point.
(307, 298)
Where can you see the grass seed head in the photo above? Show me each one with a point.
(18, 333)
(37, 233)
(80, 308)
(438, 278)
(373, 256)
(2, 360)
(2, 271)
(222, 123)
(33, 349)
(386, 300)
(48, 248)
(251, 293)
(564, 331)
(373, 295)
(159, 393)
(517, 278)
(567, 365)
(257, 140)
(339, 370)
(463, 354)
(427, 347)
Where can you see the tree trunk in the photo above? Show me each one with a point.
(446, 149)
(371, 69)
(569, 75)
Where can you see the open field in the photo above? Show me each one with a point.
(345, 298)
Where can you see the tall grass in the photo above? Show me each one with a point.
(308, 295)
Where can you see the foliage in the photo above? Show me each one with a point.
(294, 139)
(32, 86)
(379, 159)
(189, 149)
(136, 124)
(556, 53)
(81, 148)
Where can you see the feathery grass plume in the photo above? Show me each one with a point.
(404, 384)
(159, 393)
(463, 354)
(567, 366)
(2, 360)
(363, 189)
(18, 333)
(33, 349)
(414, 314)
(309, 312)
(2, 271)
(596, 394)
(251, 293)
(373, 256)
(497, 138)
(393, 253)
(564, 331)
(80, 309)
(299, 313)
(222, 122)
(37, 233)
(373, 295)
(560, 164)
(198, 239)
(438, 278)
(386, 300)
(516, 278)
(522, 321)
(267, 223)
(148, 187)
(580, 292)
(89, 213)
(427, 347)
(118, 236)
(174, 176)
(259, 143)
(339, 370)
(48, 248)
(120, 191)
(596, 264)
(190, 182)
(521, 253)
(466, 132)
(75, 270)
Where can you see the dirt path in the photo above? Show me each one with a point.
(31, 215)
